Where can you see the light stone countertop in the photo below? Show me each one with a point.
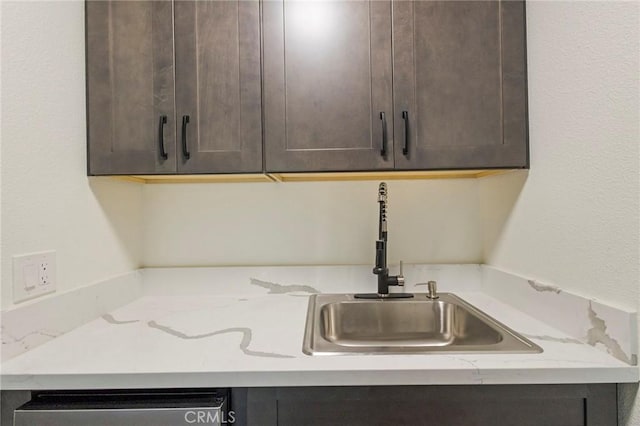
(238, 327)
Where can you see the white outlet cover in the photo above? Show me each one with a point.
(33, 275)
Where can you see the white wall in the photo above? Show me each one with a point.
(48, 203)
(574, 221)
(309, 223)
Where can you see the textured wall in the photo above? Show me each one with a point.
(309, 223)
(48, 203)
(574, 221)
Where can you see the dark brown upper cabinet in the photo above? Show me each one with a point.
(130, 87)
(153, 110)
(458, 86)
(198, 87)
(218, 90)
(460, 91)
(328, 103)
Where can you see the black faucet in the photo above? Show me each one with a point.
(381, 269)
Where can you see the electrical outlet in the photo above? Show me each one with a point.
(33, 275)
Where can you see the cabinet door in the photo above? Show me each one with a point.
(327, 85)
(130, 89)
(460, 84)
(484, 405)
(218, 97)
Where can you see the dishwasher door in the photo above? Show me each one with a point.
(125, 408)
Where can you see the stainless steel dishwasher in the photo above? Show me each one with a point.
(126, 408)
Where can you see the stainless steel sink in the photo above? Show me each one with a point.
(341, 324)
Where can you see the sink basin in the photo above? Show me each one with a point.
(341, 324)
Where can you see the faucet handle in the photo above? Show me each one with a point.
(400, 277)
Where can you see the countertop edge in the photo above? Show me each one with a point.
(323, 378)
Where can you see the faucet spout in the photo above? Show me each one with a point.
(381, 269)
(382, 222)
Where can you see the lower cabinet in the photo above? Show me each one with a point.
(491, 405)
(469, 405)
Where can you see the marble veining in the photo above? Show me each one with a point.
(111, 320)
(598, 334)
(275, 288)
(38, 321)
(478, 378)
(544, 287)
(606, 328)
(552, 338)
(8, 339)
(19, 340)
(244, 343)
